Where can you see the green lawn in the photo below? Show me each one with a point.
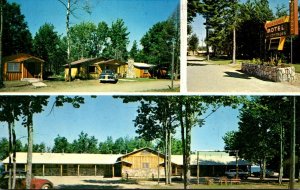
(297, 67)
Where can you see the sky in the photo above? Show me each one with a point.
(106, 116)
(199, 28)
(139, 15)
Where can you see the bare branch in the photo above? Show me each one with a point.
(64, 4)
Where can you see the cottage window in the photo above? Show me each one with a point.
(146, 71)
(145, 165)
(13, 67)
(92, 69)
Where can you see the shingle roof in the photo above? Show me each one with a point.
(205, 158)
(66, 158)
(142, 65)
(210, 158)
(21, 57)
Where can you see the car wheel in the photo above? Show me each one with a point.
(46, 186)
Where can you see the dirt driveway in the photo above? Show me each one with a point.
(225, 79)
(93, 86)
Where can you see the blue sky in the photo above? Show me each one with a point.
(199, 28)
(138, 15)
(106, 116)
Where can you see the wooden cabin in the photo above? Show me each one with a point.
(142, 70)
(144, 163)
(21, 66)
(91, 68)
(117, 66)
(84, 68)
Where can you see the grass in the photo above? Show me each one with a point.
(177, 89)
(297, 67)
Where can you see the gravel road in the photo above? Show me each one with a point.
(206, 78)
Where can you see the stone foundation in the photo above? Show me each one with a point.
(276, 74)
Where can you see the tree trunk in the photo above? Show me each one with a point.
(281, 155)
(9, 156)
(1, 32)
(207, 47)
(234, 46)
(293, 142)
(170, 156)
(166, 155)
(14, 155)
(188, 142)
(29, 151)
(69, 77)
(264, 168)
(183, 144)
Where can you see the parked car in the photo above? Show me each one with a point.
(36, 183)
(108, 76)
(232, 173)
(256, 172)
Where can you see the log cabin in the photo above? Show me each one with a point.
(22, 66)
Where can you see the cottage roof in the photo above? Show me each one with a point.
(66, 158)
(112, 62)
(205, 158)
(21, 58)
(87, 60)
(210, 158)
(142, 65)
(142, 149)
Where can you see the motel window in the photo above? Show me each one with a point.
(145, 165)
(92, 69)
(13, 67)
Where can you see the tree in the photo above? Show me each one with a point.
(106, 147)
(263, 121)
(189, 111)
(85, 144)
(158, 42)
(16, 36)
(118, 41)
(46, 44)
(61, 145)
(251, 32)
(193, 43)
(101, 37)
(82, 38)
(134, 51)
(71, 6)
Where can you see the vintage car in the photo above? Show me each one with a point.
(36, 183)
(108, 76)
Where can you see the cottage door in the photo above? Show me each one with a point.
(29, 69)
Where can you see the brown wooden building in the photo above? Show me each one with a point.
(141, 163)
(21, 66)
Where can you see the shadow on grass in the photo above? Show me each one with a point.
(237, 75)
(82, 186)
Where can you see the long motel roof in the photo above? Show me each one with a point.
(205, 158)
(210, 158)
(66, 158)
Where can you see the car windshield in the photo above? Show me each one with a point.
(107, 72)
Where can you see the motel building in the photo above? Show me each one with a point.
(141, 163)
